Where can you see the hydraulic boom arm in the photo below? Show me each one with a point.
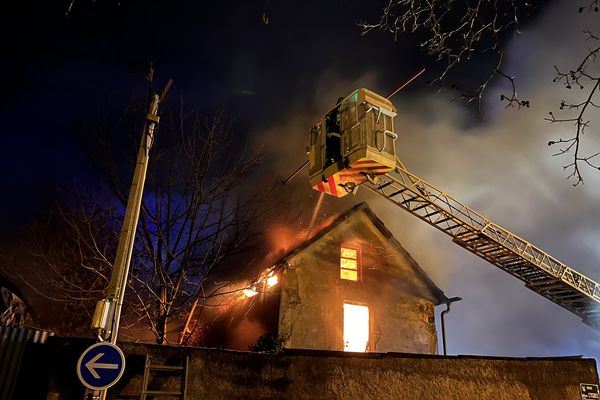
(541, 272)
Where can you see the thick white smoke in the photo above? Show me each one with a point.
(502, 168)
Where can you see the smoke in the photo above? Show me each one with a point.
(502, 168)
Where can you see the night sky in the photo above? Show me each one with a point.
(278, 78)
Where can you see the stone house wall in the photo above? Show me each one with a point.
(401, 303)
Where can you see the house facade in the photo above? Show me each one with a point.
(353, 287)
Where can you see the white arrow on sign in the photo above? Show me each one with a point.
(92, 365)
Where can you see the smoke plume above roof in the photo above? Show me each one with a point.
(502, 168)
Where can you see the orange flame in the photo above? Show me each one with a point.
(272, 280)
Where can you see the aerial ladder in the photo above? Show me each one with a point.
(354, 145)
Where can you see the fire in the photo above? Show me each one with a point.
(356, 327)
(272, 280)
(282, 239)
(268, 278)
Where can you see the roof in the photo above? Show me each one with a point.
(378, 223)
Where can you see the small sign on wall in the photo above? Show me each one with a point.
(589, 391)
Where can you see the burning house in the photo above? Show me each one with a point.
(351, 287)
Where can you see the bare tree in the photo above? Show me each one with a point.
(199, 213)
(583, 77)
(454, 31)
(69, 267)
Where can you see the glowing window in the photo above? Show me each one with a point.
(356, 327)
(349, 267)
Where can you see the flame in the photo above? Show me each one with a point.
(272, 280)
(250, 292)
(282, 238)
(267, 278)
(356, 327)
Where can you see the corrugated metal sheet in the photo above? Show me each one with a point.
(13, 342)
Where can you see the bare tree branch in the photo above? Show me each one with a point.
(199, 211)
(456, 30)
(577, 113)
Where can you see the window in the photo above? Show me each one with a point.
(349, 263)
(356, 327)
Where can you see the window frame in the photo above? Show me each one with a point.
(358, 263)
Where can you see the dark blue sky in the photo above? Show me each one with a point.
(59, 71)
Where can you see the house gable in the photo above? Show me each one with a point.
(359, 227)
(399, 295)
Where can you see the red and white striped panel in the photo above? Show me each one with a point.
(373, 167)
(332, 186)
(355, 175)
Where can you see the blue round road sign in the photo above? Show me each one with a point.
(101, 366)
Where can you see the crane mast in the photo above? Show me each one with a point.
(354, 145)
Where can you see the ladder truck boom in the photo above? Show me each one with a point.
(354, 145)
(539, 271)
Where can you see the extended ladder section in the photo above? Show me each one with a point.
(541, 273)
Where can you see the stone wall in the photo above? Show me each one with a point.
(401, 305)
(295, 374)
